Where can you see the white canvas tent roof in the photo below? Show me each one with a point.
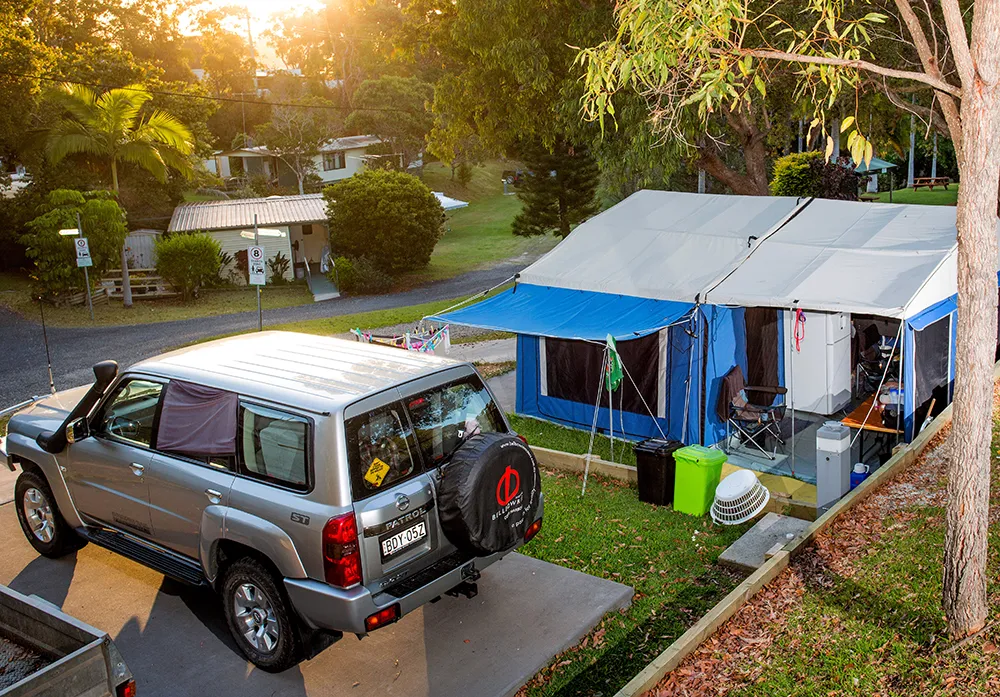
(891, 260)
(664, 245)
(843, 256)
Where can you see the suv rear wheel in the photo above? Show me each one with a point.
(259, 616)
(43, 525)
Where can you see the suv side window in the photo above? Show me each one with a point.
(380, 449)
(445, 416)
(273, 446)
(131, 412)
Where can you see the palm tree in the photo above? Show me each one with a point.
(110, 126)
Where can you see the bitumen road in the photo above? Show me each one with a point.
(175, 640)
(74, 350)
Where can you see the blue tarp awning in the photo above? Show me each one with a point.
(569, 314)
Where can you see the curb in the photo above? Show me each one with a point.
(728, 606)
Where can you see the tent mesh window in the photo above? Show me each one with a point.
(573, 370)
(930, 367)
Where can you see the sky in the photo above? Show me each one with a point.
(262, 19)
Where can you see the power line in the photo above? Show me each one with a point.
(184, 95)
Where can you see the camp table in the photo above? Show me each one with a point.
(865, 418)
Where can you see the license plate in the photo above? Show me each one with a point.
(396, 543)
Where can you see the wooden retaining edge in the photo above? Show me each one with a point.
(728, 606)
(571, 462)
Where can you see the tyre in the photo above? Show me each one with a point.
(488, 494)
(42, 523)
(260, 616)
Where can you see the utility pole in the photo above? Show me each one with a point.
(701, 181)
(934, 158)
(913, 147)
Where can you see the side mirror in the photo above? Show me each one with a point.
(77, 430)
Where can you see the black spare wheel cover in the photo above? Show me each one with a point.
(488, 494)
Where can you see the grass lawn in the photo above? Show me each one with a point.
(668, 558)
(872, 623)
(937, 197)
(859, 612)
(480, 234)
(569, 440)
(15, 295)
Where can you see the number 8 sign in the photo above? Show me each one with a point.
(255, 260)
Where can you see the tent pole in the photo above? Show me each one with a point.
(593, 428)
(687, 389)
(791, 384)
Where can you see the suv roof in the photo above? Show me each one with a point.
(312, 372)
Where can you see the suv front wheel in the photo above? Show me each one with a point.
(259, 616)
(40, 520)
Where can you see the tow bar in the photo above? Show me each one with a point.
(468, 586)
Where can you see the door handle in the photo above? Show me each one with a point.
(213, 495)
(137, 469)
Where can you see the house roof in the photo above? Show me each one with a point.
(351, 143)
(272, 210)
(239, 213)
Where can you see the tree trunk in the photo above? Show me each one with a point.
(126, 282)
(965, 600)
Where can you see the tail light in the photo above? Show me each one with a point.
(522, 439)
(341, 553)
(532, 530)
(382, 618)
(126, 689)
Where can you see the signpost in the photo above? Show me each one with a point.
(83, 258)
(255, 265)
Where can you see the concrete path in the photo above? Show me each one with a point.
(495, 351)
(74, 350)
(176, 643)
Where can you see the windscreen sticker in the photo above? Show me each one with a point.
(376, 473)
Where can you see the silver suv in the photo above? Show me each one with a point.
(320, 486)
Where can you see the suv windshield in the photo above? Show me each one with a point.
(445, 416)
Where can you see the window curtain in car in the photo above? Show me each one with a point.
(197, 420)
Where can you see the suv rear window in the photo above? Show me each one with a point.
(380, 449)
(273, 446)
(443, 417)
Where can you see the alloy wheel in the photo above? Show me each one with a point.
(38, 513)
(255, 615)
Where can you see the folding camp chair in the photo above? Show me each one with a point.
(753, 423)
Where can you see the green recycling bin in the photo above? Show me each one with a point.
(695, 478)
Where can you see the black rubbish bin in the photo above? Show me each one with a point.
(654, 459)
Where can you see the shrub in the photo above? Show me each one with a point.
(187, 261)
(809, 174)
(359, 275)
(390, 218)
(54, 256)
(277, 267)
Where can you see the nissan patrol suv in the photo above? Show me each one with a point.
(320, 486)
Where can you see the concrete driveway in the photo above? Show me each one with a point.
(175, 640)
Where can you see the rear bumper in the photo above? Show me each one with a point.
(322, 606)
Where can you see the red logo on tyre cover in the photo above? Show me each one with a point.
(508, 486)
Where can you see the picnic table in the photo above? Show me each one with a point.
(931, 182)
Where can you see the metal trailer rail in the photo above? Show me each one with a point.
(84, 661)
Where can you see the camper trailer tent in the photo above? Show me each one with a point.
(691, 285)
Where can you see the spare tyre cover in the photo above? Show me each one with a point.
(488, 494)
